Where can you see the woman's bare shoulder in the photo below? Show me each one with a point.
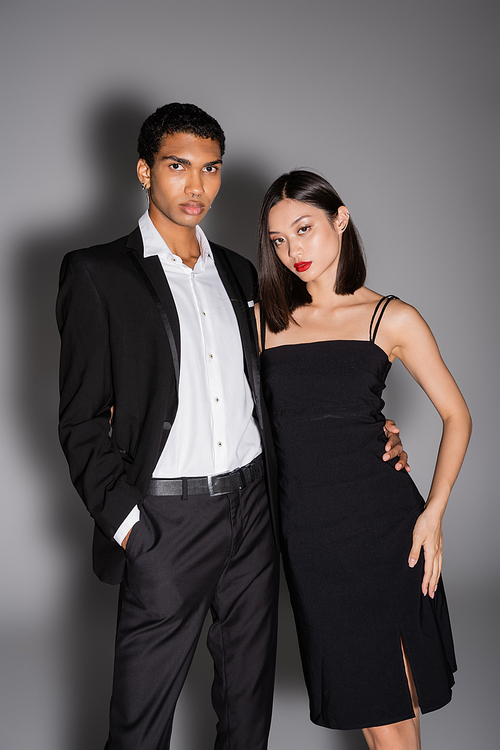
(397, 310)
(401, 313)
(404, 327)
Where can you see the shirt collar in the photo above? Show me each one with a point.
(154, 244)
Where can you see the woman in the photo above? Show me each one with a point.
(370, 608)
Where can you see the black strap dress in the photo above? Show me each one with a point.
(347, 521)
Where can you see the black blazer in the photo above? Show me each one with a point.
(120, 346)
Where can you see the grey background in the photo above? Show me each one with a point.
(397, 104)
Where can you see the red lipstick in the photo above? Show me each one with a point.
(301, 267)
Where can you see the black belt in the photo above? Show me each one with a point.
(218, 484)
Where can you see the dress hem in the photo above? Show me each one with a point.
(345, 727)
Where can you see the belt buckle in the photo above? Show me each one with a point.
(212, 491)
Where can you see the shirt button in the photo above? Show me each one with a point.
(211, 356)
(167, 425)
(204, 313)
(220, 445)
(217, 399)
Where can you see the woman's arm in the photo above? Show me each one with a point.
(416, 347)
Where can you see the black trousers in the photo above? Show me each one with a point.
(184, 558)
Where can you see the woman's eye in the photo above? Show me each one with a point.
(303, 229)
(278, 241)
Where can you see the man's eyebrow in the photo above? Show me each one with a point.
(187, 163)
(178, 159)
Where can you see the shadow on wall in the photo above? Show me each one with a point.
(87, 624)
(233, 222)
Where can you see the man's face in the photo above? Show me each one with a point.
(183, 181)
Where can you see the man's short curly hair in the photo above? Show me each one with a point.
(176, 118)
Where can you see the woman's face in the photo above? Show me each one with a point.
(305, 239)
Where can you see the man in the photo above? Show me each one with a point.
(159, 340)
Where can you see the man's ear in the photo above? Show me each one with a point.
(341, 220)
(144, 174)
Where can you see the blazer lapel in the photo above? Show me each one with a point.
(154, 279)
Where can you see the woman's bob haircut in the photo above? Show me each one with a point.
(280, 291)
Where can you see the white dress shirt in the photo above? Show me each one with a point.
(214, 430)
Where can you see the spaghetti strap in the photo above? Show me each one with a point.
(262, 329)
(382, 302)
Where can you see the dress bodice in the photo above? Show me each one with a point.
(339, 379)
